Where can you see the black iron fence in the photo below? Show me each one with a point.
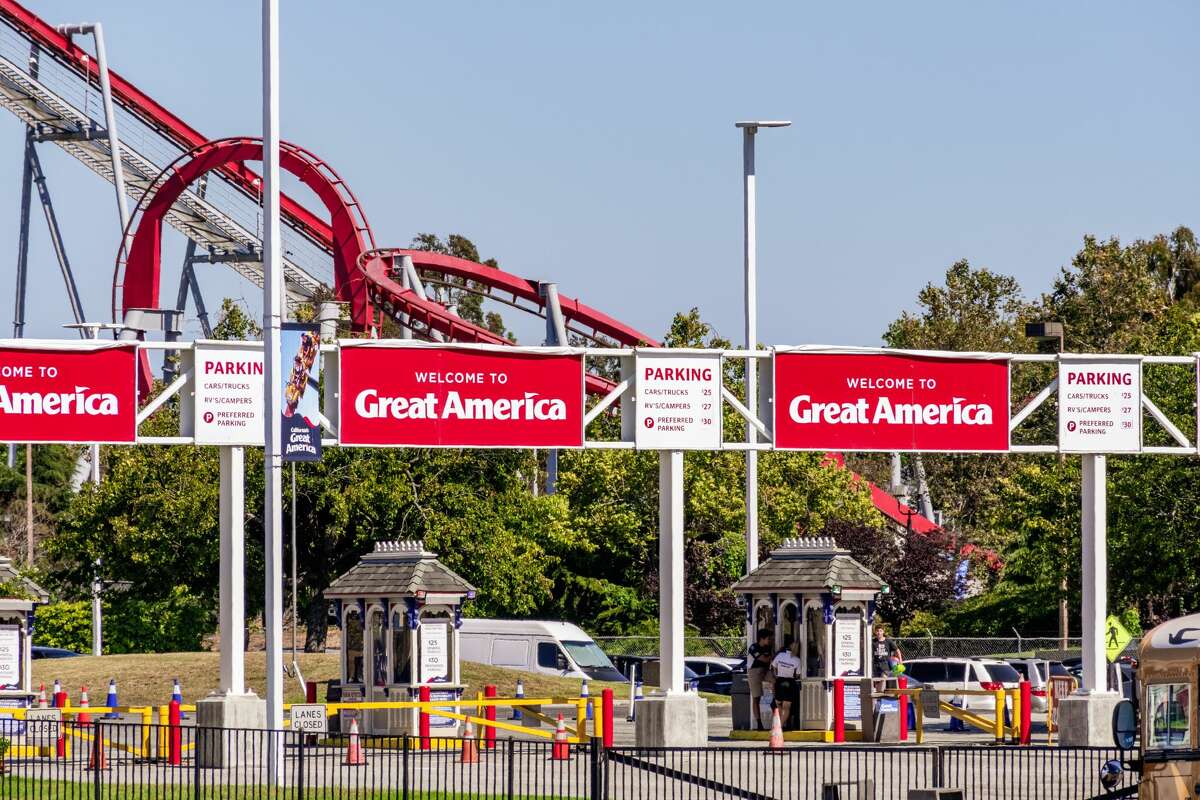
(117, 761)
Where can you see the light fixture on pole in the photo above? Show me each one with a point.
(750, 252)
(1050, 332)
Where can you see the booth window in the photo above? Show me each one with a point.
(352, 632)
(378, 647)
(1170, 710)
(401, 649)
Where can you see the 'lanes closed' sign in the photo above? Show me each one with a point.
(889, 401)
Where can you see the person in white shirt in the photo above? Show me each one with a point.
(786, 666)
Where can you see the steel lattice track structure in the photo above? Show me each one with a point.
(204, 190)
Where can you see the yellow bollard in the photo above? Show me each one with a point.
(915, 698)
(160, 750)
(597, 722)
(1015, 728)
(581, 717)
(998, 726)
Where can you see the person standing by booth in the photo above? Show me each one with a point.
(786, 666)
(759, 662)
(883, 652)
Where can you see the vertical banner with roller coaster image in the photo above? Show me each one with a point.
(301, 344)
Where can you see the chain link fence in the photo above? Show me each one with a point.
(1050, 647)
(723, 646)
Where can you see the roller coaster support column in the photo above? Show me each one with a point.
(273, 307)
(110, 117)
(750, 222)
(556, 334)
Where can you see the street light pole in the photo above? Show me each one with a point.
(272, 313)
(750, 258)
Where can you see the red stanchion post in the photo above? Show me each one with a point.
(423, 724)
(839, 710)
(606, 714)
(175, 747)
(489, 735)
(60, 747)
(310, 692)
(1026, 708)
(902, 683)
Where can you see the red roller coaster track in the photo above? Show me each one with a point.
(363, 276)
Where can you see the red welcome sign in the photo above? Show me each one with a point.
(72, 394)
(890, 401)
(455, 396)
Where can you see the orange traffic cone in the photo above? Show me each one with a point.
(561, 751)
(96, 753)
(354, 751)
(42, 696)
(776, 741)
(84, 717)
(470, 748)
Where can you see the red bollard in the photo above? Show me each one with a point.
(310, 692)
(423, 726)
(1026, 715)
(175, 742)
(902, 683)
(489, 713)
(60, 747)
(606, 714)
(839, 710)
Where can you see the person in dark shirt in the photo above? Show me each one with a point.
(883, 650)
(760, 654)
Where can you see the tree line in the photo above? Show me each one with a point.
(588, 553)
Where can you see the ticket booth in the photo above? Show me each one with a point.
(18, 597)
(400, 610)
(812, 592)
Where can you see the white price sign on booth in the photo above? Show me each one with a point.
(677, 400)
(1100, 405)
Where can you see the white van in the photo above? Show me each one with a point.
(547, 648)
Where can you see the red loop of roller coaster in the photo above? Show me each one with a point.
(350, 236)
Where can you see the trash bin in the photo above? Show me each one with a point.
(739, 693)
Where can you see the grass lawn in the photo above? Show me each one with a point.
(146, 679)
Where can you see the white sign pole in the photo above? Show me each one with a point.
(232, 571)
(670, 570)
(1095, 571)
(272, 314)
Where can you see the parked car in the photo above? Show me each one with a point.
(634, 667)
(713, 674)
(1037, 672)
(703, 665)
(544, 647)
(38, 651)
(948, 674)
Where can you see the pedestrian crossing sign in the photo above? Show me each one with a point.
(1116, 637)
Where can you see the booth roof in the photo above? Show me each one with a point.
(398, 569)
(8, 573)
(808, 565)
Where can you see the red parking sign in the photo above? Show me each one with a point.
(71, 394)
(458, 396)
(890, 401)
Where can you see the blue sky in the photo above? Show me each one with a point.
(594, 143)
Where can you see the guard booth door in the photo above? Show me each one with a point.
(815, 705)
